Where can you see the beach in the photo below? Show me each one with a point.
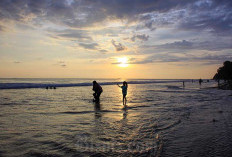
(163, 118)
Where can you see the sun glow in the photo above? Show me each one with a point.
(123, 62)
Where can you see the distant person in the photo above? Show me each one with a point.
(183, 84)
(200, 81)
(98, 90)
(124, 92)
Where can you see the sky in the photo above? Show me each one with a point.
(160, 39)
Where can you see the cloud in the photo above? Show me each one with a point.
(81, 13)
(198, 15)
(75, 36)
(74, 20)
(129, 9)
(91, 46)
(61, 63)
(168, 58)
(25, 26)
(203, 45)
(141, 61)
(209, 15)
(149, 25)
(142, 37)
(2, 28)
(177, 45)
(70, 34)
(186, 46)
(119, 46)
(103, 51)
(17, 62)
(132, 60)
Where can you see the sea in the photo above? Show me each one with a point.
(163, 118)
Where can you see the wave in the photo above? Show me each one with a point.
(52, 85)
(173, 87)
(168, 126)
(86, 112)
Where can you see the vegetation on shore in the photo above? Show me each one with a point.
(224, 73)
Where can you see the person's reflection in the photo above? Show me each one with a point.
(97, 108)
(124, 119)
(125, 112)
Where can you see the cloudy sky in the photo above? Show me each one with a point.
(114, 38)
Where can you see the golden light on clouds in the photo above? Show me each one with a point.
(123, 62)
(120, 39)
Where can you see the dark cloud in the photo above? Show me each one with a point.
(131, 8)
(162, 58)
(79, 13)
(149, 25)
(213, 15)
(142, 61)
(168, 58)
(103, 51)
(91, 46)
(204, 45)
(119, 46)
(155, 20)
(142, 37)
(201, 15)
(78, 35)
(75, 36)
(185, 46)
(177, 45)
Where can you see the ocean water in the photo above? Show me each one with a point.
(163, 118)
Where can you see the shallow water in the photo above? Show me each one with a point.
(162, 119)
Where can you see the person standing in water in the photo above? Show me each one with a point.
(124, 92)
(98, 90)
(200, 81)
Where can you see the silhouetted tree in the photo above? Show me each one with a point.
(224, 72)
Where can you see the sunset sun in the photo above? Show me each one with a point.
(123, 62)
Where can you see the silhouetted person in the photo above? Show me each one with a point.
(183, 84)
(98, 90)
(124, 92)
(200, 81)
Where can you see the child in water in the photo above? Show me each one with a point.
(124, 92)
